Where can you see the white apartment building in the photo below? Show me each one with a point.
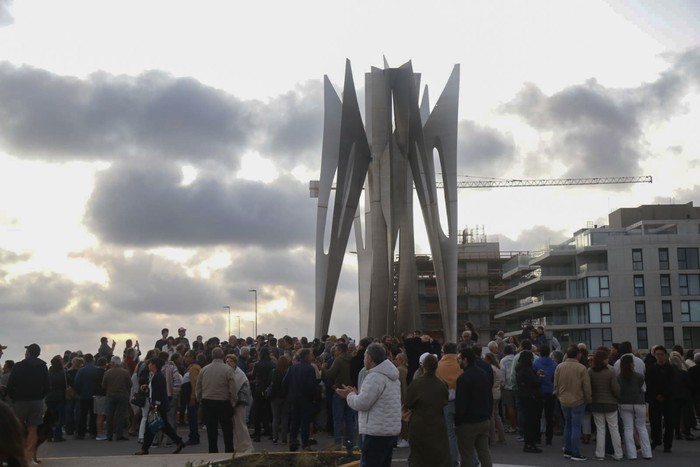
(637, 280)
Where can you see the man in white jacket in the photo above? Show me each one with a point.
(378, 404)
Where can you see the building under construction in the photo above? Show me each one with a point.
(479, 279)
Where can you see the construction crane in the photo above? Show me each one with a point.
(513, 183)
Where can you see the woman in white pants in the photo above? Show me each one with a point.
(633, 408)
(241, 437)
(605, 392)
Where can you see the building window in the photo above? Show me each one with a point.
(642, 339)
(638, 286)
(689, 284)
(688, 258)
(665, 282)
(690, 310)
(601, 337)
(669, 340)
(637, 261)
(640, 312)
(596, 287)
(599, 312)
(691, 338)
(663, 258)
(667, 311)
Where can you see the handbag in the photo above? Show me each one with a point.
(155, 421)
(69, 394)
(139, 399)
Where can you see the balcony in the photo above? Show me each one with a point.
(592, 267)
(516, 264)
(534, 301)
(557, 271)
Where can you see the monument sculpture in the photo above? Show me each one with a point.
(388, 157)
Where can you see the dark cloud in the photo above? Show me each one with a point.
(35, 293)
(5, 17)
(139, 205)
(143, 282)
(480, 149)
(106, 117)
(294, 123)
(295, 269)
(597, 130)
(533, 239)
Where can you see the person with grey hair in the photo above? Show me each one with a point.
(379, 405)
(217, 391)
(117, 385)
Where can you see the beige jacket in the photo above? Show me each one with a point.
(572, 385)
(217, 382)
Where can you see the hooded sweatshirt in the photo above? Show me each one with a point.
(379, 401)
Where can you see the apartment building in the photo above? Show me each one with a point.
(636, 279)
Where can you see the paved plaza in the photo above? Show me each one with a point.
(74, 453)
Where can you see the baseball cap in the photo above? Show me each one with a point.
(33, 349)
(181, 329)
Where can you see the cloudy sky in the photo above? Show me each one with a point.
(155, 156)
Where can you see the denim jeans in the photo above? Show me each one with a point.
(449, 412)
(572, 428)
(192, 416)
(343, 413)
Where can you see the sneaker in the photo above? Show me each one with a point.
(403, 443)
(578, 457)
(101, 437)
(567, 455)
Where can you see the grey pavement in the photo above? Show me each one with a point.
(83, 453)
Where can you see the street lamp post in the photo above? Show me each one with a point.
(239, 326)
(229, 320)
(255, 291)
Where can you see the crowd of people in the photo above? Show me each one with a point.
(450, 403)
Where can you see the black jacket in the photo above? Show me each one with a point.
(58, 379)
(660, 380)
(529, 384)
(473, 397)
(300, 383)
(29, 380)
(159, 391)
